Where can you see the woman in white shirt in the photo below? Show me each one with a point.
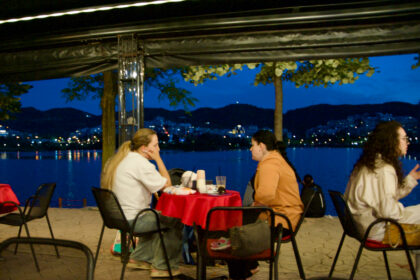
(133, 179)
(377, 183)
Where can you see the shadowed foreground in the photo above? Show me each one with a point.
(317, 241)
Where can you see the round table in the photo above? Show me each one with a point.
(7, 194)
(193, 208)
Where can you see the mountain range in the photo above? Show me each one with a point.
(62, 121)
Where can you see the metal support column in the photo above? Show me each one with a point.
(130, 87)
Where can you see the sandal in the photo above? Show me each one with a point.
(222, 243)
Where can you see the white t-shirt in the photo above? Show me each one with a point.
(135, 180)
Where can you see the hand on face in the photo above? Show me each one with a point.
(415, 172)
(151, 151)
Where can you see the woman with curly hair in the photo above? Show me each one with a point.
(377, 182)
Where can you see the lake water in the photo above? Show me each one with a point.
(75, 172)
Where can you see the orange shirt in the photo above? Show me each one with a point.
(276, 186)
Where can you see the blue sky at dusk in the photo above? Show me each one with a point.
(395, 81)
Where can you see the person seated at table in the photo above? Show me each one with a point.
(377, 183)
(275, 186)
(133, 179)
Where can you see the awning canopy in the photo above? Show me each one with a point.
(192, 32)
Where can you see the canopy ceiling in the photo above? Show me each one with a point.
(196, 32)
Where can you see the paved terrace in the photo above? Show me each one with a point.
(317, 241)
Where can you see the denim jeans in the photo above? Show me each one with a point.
(149, 247)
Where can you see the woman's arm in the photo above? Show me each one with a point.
(410, 181)
(155, 155)
(266, 181)
(388, 195)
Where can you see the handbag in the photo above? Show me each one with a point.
(250, 239)
(392, 234)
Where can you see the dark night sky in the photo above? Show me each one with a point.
(395, 81)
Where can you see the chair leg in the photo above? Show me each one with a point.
(165, 253)
(298, 260)
(125, 251)
(52, 235)
(32, 247)
(356, 262)
(19, 232)
(410, 263)
(99, 245)
(336, 255)
(388, 272)
(271, 270)
(202, 268)
(276, 261)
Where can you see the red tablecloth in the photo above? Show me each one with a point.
(193, 208)
(6, 194)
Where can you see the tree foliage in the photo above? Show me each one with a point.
(80, 88)
(10, 98)
(302, 73)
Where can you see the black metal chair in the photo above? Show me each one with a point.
(113, 217)
(292, 236)
(76, 261)
(36, 207)
(213, 232)
(349, 227)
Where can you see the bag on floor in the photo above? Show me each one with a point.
(250, 239)
(116, 245)
(392, 234)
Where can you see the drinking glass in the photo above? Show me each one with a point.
(221, 184)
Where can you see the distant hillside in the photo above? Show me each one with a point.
(53, 122)
(299, 120)
(225, 117)
(62, 121)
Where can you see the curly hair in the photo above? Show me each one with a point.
(384, 141)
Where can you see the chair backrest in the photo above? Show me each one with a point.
(110, 209)
(344, 214)
(176, 174)
(307, 200)
(40, 201)
(75, 262)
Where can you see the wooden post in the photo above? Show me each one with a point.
(60, 202)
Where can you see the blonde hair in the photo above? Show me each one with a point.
(141, 138)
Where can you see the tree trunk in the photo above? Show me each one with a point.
(108, 116)
(278, 111)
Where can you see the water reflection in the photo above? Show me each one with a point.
(69, 155)
(76, 171)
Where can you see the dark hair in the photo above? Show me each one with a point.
(384, 141)
(307, 179)
(270, 141)
(266, 137)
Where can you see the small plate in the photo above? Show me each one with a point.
(213, 193)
